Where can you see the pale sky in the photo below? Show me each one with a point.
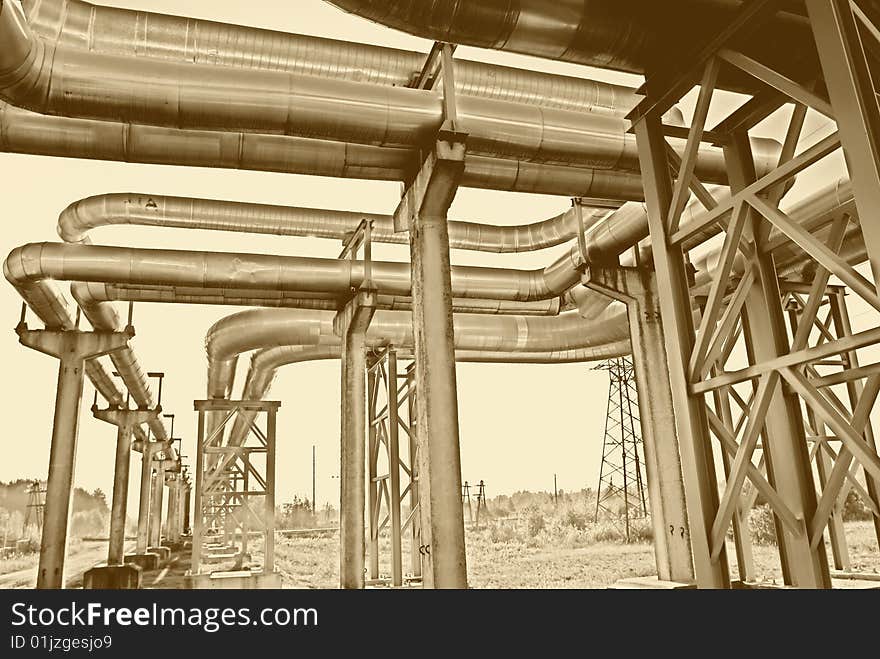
(520, 424)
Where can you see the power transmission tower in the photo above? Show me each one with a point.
(36, 503)
(621, 494)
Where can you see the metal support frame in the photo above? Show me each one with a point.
(125, 420)
(637, 288)
(391, 466)
(72, 348)
(220, 491)
(743, 303)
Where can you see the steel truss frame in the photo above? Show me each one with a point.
(393, 470)
(224, 496)
(743, 305)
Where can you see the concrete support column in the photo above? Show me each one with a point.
(423, 209)
(636, 287)
(156, 504)
(116, 549)
(143, 532)
(351, 324)
(171, 532)
(71, 348)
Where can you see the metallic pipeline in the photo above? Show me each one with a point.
(78, 218)
(31, 268)
(126, 32)
(22, 131)
(64, 81)
(91, 293)
(262, 328)
(624, 35)
(265, 363)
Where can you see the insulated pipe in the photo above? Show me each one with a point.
(32, 267)
(55, 80)
(262, 328)
(126, 32)
(78, 218)
(88, 294)
(634, 36)
(22, 131)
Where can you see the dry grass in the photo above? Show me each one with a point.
(503, 555)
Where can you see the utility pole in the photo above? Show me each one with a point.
(555, 492)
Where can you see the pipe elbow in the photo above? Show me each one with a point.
(82, 215)
(25, 60)
(24, 264)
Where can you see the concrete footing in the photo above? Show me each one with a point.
(147, 561)
(233, 580)
(164, 554)
(113, 577)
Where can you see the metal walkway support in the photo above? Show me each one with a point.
(637, 288)
(219, 495)
(72, 348)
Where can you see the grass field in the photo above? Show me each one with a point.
(542, 561)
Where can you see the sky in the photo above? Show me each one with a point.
(520, 424)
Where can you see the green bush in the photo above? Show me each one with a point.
(502, 533)
(575, 519)
(762, 525)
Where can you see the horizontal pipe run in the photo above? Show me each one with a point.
(83, 215)
(90, 294)
(22, 131)
(57, 80)
(131, 33)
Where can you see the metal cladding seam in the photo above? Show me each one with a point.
(63, 81)
(78, 218)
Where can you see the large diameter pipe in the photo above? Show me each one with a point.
(131, 33)
(31, 269)
(634, 36)
(55, 80)
(80, 217)
(88, 295)
(22, 131)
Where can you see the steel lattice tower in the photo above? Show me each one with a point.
(35, 505)
(621, 492)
